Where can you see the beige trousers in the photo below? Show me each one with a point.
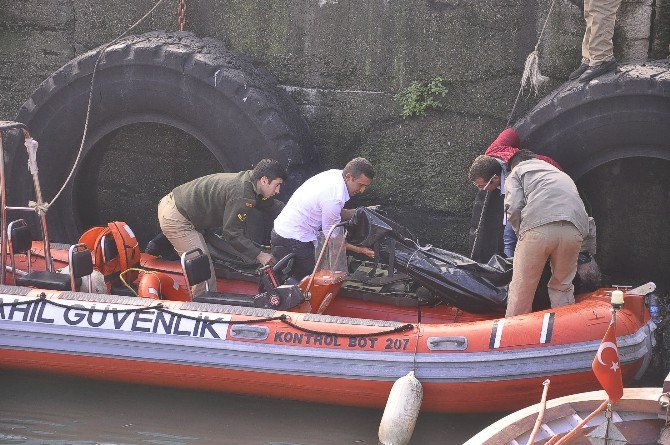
(600, 15)
(559, 242)
(183, 236)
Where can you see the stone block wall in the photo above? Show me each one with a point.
(343, 61)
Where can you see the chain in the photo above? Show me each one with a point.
(182, 14)
(664, 403)
(608, 415)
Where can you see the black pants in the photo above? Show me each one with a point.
(304, 261)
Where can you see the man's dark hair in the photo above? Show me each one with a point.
(270, 168)
(484, 167)
(520, 156)
(359, 166)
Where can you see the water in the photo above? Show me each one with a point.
(48, 410)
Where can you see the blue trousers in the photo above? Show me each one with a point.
(509, 240)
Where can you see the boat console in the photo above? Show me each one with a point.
(273, 294)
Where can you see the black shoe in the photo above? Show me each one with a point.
(598, 70)
(578, 72)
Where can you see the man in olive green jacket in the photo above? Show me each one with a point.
(548, 216)
(221, 200)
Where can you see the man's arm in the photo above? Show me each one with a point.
(360, 249)
(233, 230)
(515, 200)
(331, 211)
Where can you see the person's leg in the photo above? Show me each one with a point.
(586, 56)
(509, 240)
(601, 48)
(530, 257)
(304, 261)
(563, 260)
(588, 18)
(183, 236)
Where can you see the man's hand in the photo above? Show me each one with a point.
(360, 249)
(367, 251)
(265, 258)
(347, 214)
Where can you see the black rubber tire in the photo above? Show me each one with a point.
(618, 115)
(582, 126)
(221, 98)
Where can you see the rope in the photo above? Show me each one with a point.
(402, 328)
(40, 209)
(665, 405)
(416, 345)
(182, 14)
(161, 308)
(479, 224)
(90, 101)
(535, 51)
(123, 280)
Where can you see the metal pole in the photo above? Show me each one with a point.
(32, 163)
(3, 215)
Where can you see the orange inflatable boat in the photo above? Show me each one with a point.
(328, 349)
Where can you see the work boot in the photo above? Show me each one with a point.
(598, 70)
(579, 71)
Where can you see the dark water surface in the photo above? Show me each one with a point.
(43, 409)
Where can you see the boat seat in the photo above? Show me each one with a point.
(45, 280)
(196, 269)
(20, 242)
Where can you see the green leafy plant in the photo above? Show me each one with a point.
(419, 97)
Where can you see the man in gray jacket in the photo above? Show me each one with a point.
(549, 217)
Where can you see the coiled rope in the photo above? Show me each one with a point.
(532, 78)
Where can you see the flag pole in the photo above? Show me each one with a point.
(540, 416)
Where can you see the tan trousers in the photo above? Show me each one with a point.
(600, 15)
(183, 236)
(559, 242)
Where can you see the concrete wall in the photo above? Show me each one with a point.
(343, 61)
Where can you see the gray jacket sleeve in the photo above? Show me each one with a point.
(515, 200)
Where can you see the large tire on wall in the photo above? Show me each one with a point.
(608, 134)
(620, 115)
(195, 85)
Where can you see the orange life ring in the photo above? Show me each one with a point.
(161, 286)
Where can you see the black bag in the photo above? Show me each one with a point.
(454, 279)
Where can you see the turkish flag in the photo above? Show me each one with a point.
(607, 367)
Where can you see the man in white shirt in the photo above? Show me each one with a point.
(317, 205)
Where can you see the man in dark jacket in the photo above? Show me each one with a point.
(488, 172)
(221, 200)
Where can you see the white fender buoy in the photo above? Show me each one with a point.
(401, 412)
(98, 280)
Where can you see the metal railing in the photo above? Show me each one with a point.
(39, 207)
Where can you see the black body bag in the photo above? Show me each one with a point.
(455, 279)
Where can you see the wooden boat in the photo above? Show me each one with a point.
(351, 354)
(640, 417)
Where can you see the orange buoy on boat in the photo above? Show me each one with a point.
(161, 286)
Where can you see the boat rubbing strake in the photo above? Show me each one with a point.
(485, 365)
